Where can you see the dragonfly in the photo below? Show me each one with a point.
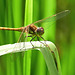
(35, 31)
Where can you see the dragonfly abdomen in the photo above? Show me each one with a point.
(12, 29)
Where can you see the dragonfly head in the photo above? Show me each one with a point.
(40, 31)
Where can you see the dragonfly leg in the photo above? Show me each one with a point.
(31, 40)
(42, 38)
(39, 40)
(24, 42)
(45, 43)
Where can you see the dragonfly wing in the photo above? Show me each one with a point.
(53, 17)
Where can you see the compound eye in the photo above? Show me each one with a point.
(40, 31)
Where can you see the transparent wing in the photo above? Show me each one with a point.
(53, 17)
(47, 20)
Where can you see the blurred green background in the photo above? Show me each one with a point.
(17, 13)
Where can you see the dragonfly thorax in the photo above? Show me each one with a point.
(40, 31)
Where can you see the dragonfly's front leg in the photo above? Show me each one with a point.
(31, 40)
(40, 41)
(46, 44)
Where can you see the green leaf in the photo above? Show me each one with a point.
(5, 49)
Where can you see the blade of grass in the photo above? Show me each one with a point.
(45, 51)
(9, 22)
(18, 10)
(28, 20)
(2, 37)
(49, 61)
(40, 65)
